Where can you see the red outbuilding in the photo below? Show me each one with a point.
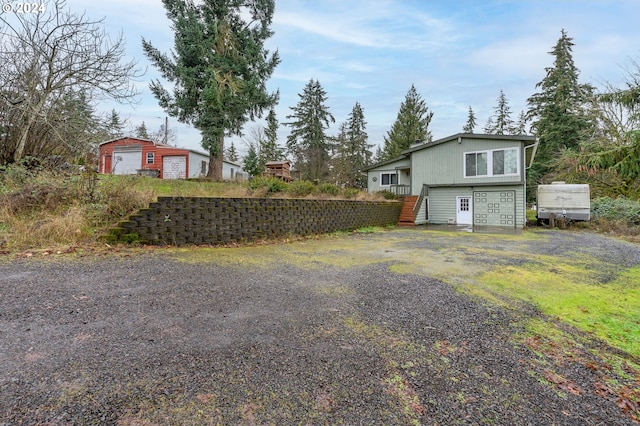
(130, 156)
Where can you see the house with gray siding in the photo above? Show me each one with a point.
(464, 179)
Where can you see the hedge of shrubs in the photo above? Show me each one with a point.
(616, 210)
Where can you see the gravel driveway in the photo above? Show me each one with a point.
(339, 330)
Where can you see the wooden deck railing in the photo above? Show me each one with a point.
(400, 189)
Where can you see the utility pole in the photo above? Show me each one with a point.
(166, 130)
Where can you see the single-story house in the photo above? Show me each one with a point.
(464, 179)
(130, 156)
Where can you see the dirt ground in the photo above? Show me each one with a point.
(354, 329)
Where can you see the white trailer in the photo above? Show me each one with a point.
(564, 201)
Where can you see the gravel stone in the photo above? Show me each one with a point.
(150, 339)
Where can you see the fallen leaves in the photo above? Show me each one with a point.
(629, 402)
(562, 383)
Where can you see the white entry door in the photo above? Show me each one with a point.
(464, 211)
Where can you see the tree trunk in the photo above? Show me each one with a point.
(22, 140)
(215, 160)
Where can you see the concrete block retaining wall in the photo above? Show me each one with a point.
(193, 220)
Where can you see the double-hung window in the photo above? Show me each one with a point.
(498, 162)
(150, 157)
(387, 179)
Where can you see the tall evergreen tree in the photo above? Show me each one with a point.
(611, 156)
(269, 149)
(218, 67)
(115, 125)
(411, 125)
(353, 152)
(471, 122)
(307, 141)
(559, 111)
(501, 122)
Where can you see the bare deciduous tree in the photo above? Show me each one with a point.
(46, 56)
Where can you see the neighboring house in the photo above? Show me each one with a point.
(130, 156)
(464, 179)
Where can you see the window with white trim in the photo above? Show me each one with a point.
(475, 164)
(498, 162)
(150, 157)
(387, 179)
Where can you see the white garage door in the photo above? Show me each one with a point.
(126, 162)
(494, 208)
(174, 167)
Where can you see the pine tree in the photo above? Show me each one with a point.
(411, 125)
(521, 125)
(218, 66)
(501, 123)
(307, 141)
(231, 153)
(141, 131)
(471, 122)
(558, 112)
(269, 149)
(489, 126)
(353, 152)
(115, 125)
(378, 156)
(250, 162)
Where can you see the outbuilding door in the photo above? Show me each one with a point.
(126, 162)
(495, 208)
(464, 211)
(174, 167)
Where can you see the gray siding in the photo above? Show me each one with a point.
(442, 203)
(444, 164)
(195, 164)
(374, 182)
(421, 216)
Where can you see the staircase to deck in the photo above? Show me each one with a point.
(407, 216)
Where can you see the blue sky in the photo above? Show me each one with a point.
(458, 53)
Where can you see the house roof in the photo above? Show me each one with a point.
(526, 139)
(383, 163)
(131, 137)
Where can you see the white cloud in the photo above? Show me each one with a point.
(458, 53)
